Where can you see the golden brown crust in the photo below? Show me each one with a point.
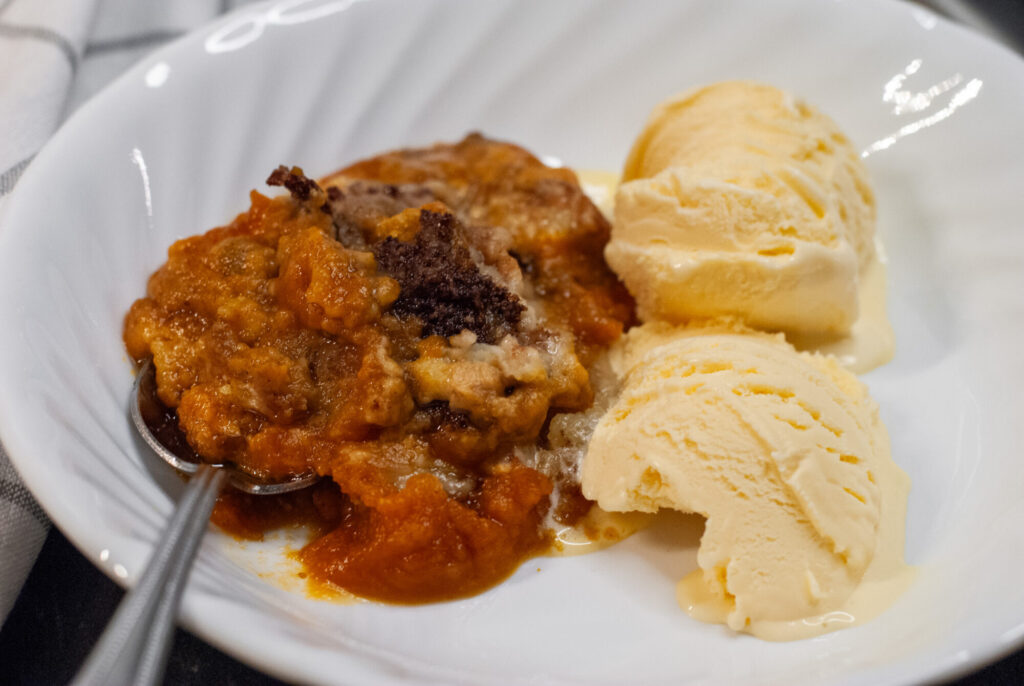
(400, 334)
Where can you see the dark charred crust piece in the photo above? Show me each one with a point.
(297, 183)
(442, 286)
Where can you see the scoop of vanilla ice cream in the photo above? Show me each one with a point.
(738, 199)
(784, 454)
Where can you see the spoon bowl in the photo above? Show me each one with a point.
(158, 427)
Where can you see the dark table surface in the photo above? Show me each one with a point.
(66, 602)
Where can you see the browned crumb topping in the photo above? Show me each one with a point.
(442, 286)
(406, 328)
(294, 180)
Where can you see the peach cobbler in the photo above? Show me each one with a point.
(421, 329)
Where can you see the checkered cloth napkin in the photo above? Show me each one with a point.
(54, 55)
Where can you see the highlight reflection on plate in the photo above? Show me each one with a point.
(174, 146)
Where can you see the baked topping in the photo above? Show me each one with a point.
(406, 328)
(440, 284)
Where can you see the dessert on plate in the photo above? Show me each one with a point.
(739, 199)
(435, 332)
(784, 454)
(746, 217)
(412, 328)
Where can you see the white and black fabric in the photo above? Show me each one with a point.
(55, 55)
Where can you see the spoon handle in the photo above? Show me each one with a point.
(133, 648)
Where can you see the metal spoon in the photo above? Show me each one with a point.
(133, 648)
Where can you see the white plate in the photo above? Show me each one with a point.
(173, 147)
